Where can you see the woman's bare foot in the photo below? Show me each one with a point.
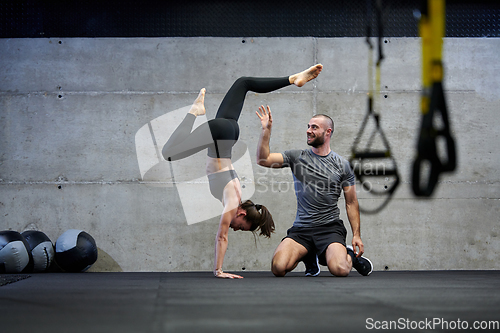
(198, 107)
(309, 74)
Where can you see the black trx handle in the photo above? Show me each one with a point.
(427, 145)
(431, 28)
(359, 157)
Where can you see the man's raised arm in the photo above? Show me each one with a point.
(264, 157)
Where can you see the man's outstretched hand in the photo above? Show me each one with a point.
(265, 117)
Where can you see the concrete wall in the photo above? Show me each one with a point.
(71, 108)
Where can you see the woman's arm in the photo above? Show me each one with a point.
(221, 240)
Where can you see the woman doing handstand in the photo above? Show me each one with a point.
(223, 132)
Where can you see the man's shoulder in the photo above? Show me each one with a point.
(294, 153)
(338, 157)
(296, 150)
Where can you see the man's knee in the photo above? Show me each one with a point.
(337, 260)
(287, 256)
(278, 271)
(278, 268)
(339, 269)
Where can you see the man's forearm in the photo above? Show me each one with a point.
(352, 210)
(263, 149)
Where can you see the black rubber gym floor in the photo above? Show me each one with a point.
(198, 302)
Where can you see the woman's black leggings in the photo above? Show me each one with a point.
(219, 134)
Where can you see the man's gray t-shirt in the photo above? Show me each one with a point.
(318, 184)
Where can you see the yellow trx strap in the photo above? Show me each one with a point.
(432, 31)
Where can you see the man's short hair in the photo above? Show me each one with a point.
(328, 118)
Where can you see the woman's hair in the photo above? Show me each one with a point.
(259, 217)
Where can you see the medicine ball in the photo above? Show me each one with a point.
(41, 249)
(76, 251)
(14, 254)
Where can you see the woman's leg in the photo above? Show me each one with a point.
(183, 143)
(232, 104)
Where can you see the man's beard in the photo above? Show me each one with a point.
(317, 141)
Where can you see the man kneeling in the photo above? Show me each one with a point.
(318, 234)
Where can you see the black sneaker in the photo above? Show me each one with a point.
(312, 265)
(363, 265)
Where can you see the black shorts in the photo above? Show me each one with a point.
(317, 239)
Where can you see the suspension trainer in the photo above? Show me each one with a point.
(365, 162)
(429, 160)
